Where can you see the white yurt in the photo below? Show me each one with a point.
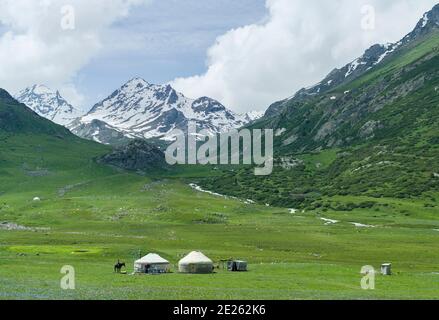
(152, 263)
(195, 262)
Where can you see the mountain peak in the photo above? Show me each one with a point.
(205, 100)
(141, 85)
(137, 81)
(207, 106)
(48, 104)
(40, 89)
(254, 115)
(431, 16)
(429, 21)
(143, 110)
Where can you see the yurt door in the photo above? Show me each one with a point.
(193, 268)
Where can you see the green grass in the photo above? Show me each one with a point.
(106, 215)
(321, 160)
(91, 215)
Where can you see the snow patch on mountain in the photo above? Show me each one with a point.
(143, 110)
(372, 58)
(253, 116)
(390, 48)
(48, 104)
(351, 68)
(424, 20)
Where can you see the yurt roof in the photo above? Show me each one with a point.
(151, 259)
(195, 257)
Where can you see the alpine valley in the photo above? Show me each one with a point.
(355, 183)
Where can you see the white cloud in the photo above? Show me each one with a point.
(298, 44)
(71, 94)
(35, 48)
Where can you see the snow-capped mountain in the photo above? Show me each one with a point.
(372, 58)
(48, 104)
(100, 132)
(253, 116)
(142, 110)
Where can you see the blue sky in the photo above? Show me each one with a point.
(173, 36)
(246, 54)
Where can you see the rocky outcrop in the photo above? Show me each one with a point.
(138, 155)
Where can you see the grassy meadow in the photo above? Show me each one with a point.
(90, 216)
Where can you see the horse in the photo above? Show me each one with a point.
(118, 266)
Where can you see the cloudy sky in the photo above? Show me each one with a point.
(245, 53)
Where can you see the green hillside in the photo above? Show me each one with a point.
(16, 118)
(90, 215)
(376, 136)
(35, 150)
(356, 183)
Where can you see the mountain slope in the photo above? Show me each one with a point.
(100, 132)
(142, 110)
(343, 114)
(39, 156)
(253, 116)
(48, 104)
(353, 113)
(374, 135)
(16, 118)
(373, 57)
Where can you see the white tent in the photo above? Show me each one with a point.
(151, 263)
(195, 262)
